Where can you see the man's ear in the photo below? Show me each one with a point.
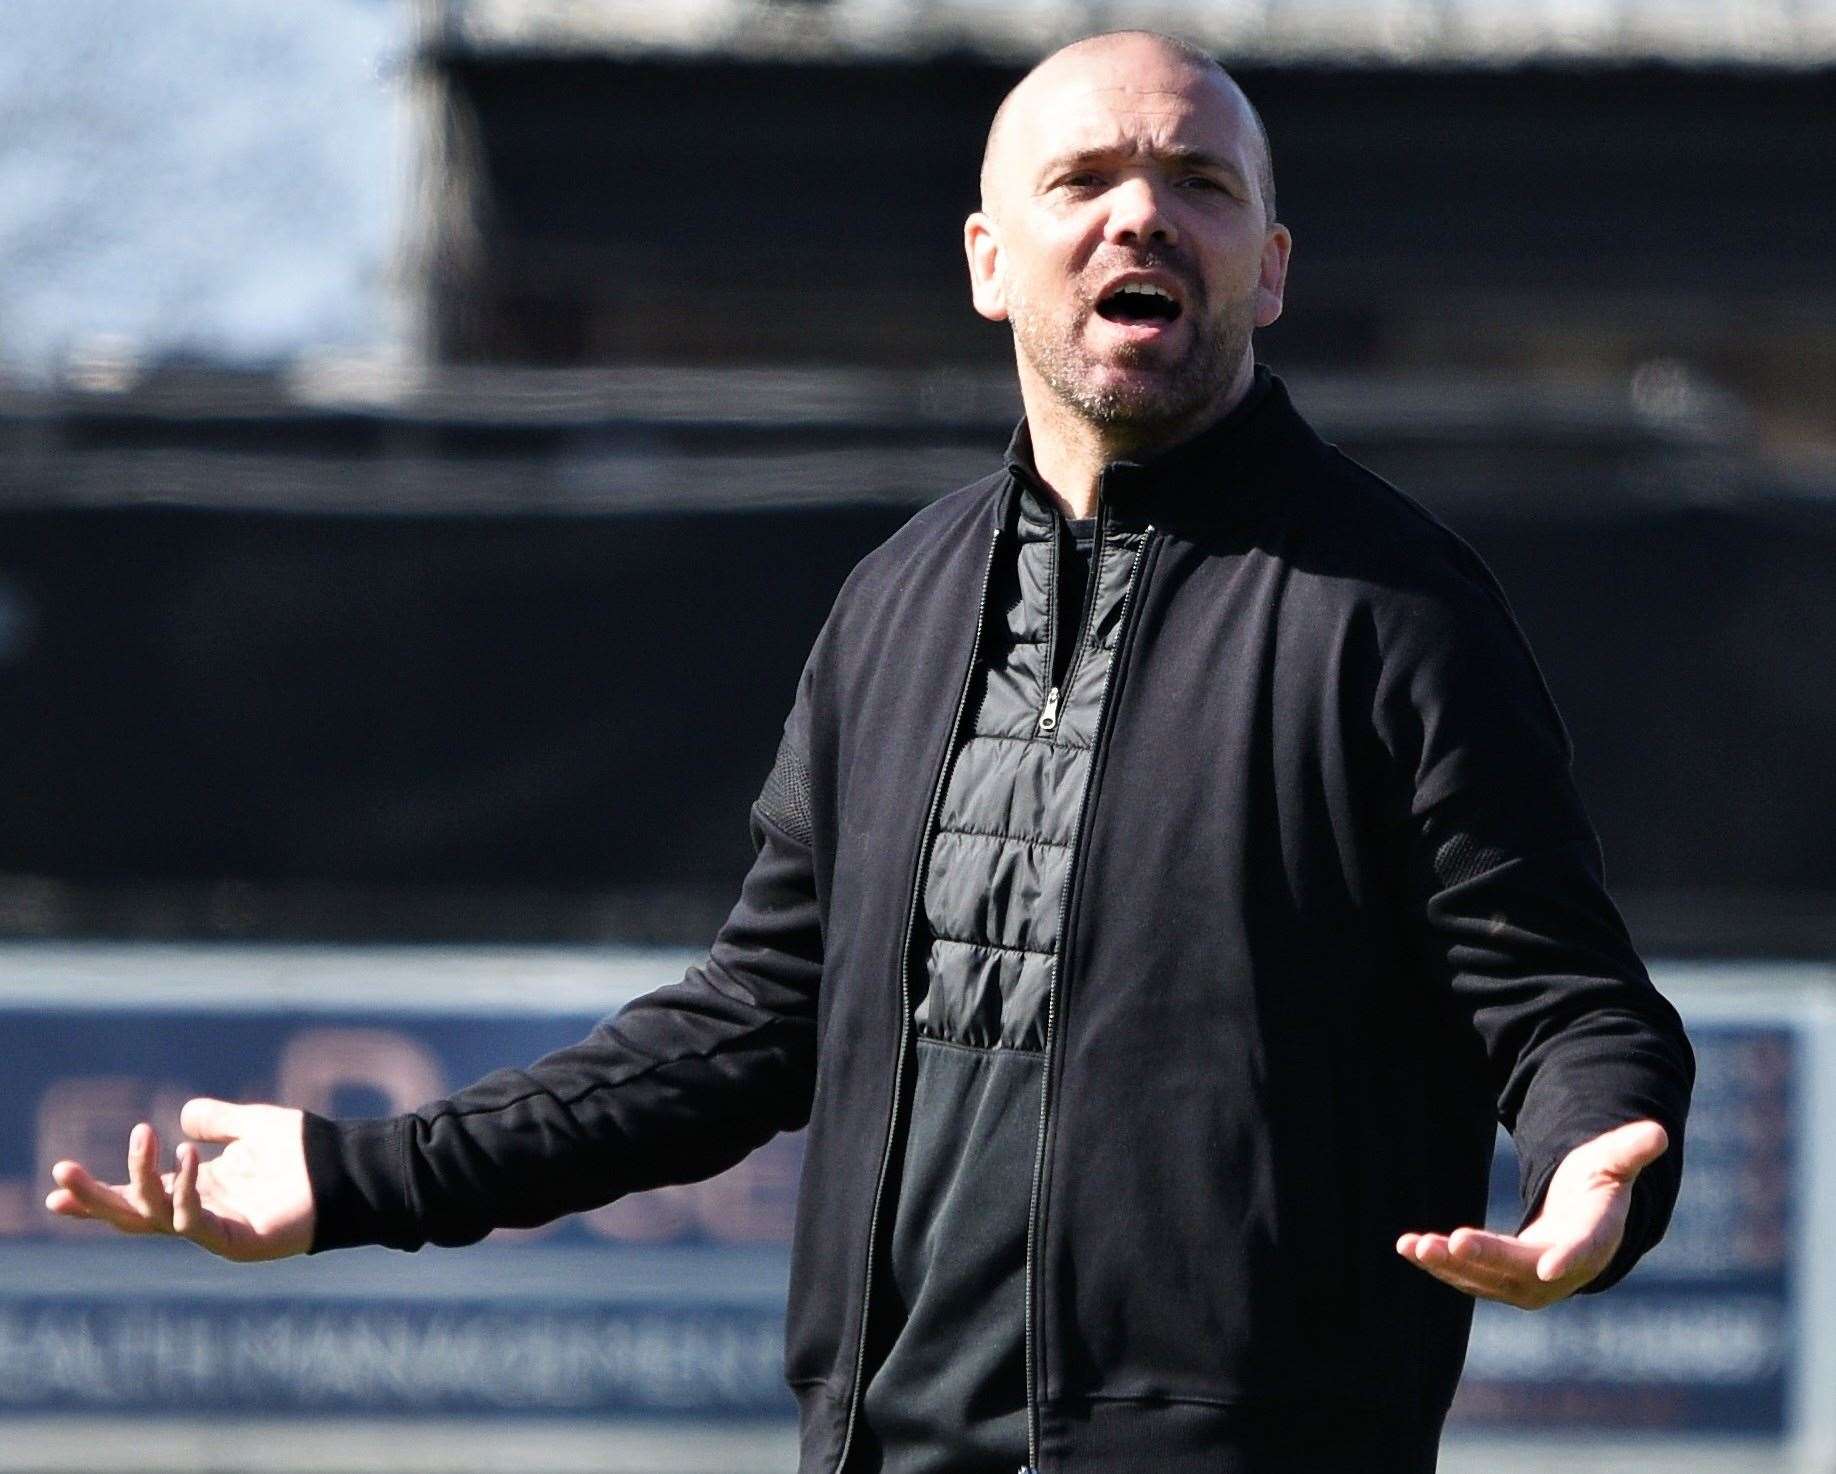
(1272, 283)
(982, 245)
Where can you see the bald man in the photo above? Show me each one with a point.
(1169, 875)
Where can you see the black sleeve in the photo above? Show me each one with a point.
(1509, 902)
(678, 1085)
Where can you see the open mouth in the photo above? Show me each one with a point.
(1138, 303)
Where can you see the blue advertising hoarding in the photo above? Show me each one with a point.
(1700, 1338)
(667, 1303)
(670, 1304)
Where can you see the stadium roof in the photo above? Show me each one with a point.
(1397, 32)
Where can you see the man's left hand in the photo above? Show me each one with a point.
(1570, 1241)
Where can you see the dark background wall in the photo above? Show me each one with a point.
(507, 653)
(228, 713)
(728, 211)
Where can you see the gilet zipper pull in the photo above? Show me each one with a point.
(1048, 718)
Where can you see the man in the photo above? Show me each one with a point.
(1169, 874)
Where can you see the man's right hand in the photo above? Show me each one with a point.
(252, 1202)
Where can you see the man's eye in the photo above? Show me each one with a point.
(1202, 182)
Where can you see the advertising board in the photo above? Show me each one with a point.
(670, 1304)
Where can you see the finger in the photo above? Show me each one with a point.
(144, 1189)
(1627, 1150)
(1427, 1248)
(97, 1200)
(186, 1207)
(1475, 1247)
(1557, 1262)
(1586, 1255)
(1468, 1284)
(205, 1119)
(1433, 1258)
(189, 1216)
(1435, 1252)
(64, 1203)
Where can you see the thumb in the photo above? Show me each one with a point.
(1627, 1150)
(204, 1119)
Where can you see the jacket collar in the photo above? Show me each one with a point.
(1220, 475)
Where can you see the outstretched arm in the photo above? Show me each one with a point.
(1527, 957)
(677, 1086)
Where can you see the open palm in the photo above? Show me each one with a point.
(252, 1202)
(1567, 1244)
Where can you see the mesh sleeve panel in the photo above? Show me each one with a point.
(785, 799)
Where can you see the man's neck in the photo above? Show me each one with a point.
(1069, 452)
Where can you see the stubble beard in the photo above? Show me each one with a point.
(1171, 395)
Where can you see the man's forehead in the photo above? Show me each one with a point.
(1109, 114)
(1121, 91)
(1131, 118)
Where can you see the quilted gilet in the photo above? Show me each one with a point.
(1002, 849)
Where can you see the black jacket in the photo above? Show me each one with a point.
(1335, 910)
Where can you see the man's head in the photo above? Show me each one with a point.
(1127, 234)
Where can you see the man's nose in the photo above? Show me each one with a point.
(1136, 216)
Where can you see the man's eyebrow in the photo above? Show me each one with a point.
(1197, 158)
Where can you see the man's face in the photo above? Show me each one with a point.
(1124, 237)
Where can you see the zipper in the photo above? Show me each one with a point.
(1048, 713)
(905, 999)
(1048, 719)
(1064, 942)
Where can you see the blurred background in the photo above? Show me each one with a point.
(431, 432)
